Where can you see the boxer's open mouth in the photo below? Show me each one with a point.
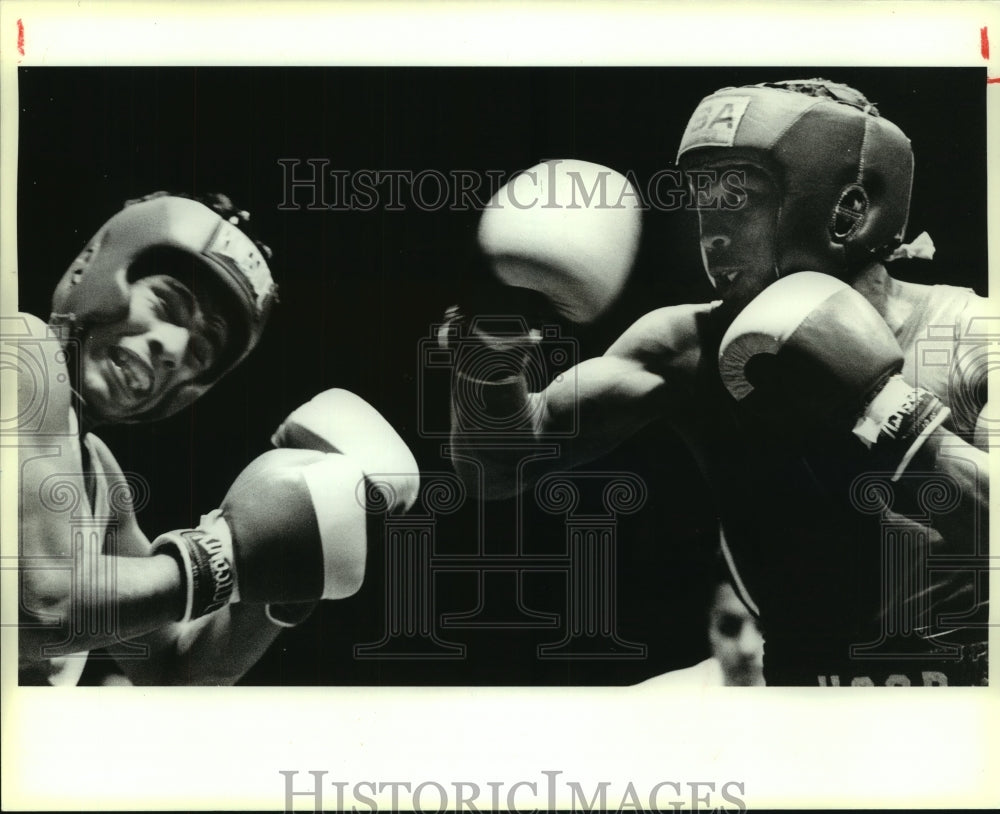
(136, 376)
(725, 277)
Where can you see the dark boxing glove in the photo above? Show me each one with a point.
(810, 350)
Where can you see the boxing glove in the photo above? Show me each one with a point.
(810, 350)
(339, 421)
(292, 528)
(566, 229)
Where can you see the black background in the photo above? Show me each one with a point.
(361, 290)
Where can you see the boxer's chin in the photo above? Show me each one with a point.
(97, 395)
(744, 675)
(103, 388)
(739, 290)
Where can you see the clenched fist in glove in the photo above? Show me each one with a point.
(293, 526)
(566, 229)
(810, 350)
(339, 421)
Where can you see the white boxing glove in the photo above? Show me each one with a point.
(567, 229)
(337, 420)
(292, 528)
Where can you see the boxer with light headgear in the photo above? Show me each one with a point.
(167, 297)
(838, 415)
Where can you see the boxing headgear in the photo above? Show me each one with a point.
(95, 288)
(844, 173)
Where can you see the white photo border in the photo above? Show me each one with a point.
(90, 749)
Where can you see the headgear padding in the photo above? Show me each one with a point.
(95, 288)
(844, 173)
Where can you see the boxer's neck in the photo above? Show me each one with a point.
(893, 299)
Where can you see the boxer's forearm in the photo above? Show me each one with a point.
(215, 650)
(944, 485)
(83, 603)
(73, 597)
(959, 513)
(583, 414)
(491, 461)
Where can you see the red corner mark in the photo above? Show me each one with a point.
(984, 47)
(20, 37)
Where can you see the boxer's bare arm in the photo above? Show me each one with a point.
(61, 585)
(607, 399)
(944, 482)
(61, 589)
(986, 422)
(215, 649)
(62, 578)
(962, 459)
(143, 593)
(960, 513)
(66, 586)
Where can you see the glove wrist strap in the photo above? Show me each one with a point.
(205, 556)
(898, 421)
(490, 348)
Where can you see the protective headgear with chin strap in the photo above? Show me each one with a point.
(843, 172)
(95, 288)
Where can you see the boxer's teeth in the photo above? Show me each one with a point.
(136, 375)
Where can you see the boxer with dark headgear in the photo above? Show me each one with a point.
(838, 415)
(167, 297)
(830, 176)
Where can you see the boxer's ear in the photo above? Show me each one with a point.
(849, 214)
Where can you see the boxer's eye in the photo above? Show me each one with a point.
(730, 626)
(202, 353)
(173, 304)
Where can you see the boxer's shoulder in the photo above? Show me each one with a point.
(707, 673)
(946, 342)
(106, 458)
(937, 311)
(44, 390)
(978, 317)
(22, 325)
